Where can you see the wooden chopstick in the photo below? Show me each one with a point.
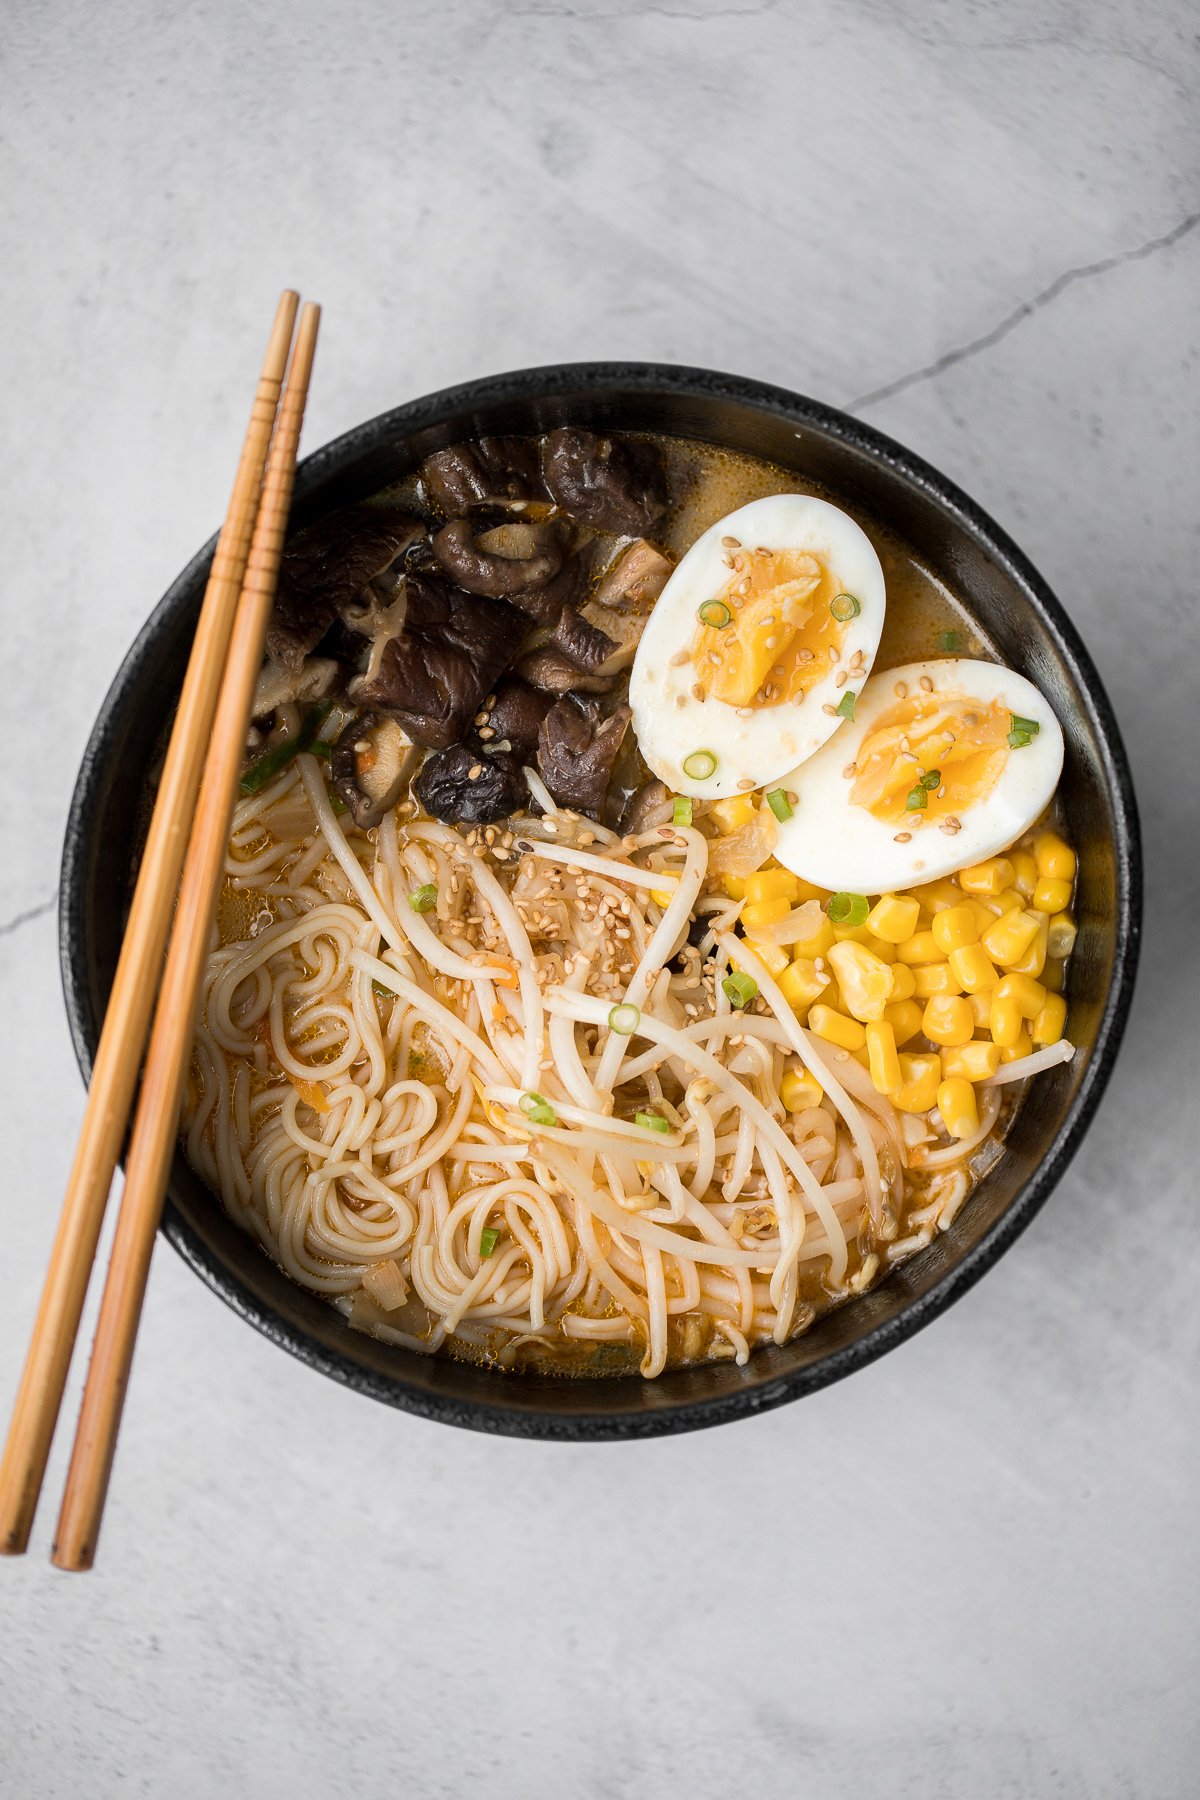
(156, 1122)
(119, 1054)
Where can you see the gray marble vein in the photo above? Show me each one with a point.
(971, 1570)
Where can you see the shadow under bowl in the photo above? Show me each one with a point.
(1017, 612)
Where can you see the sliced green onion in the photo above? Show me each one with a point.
(845, 706)
(538, 1110)
(489, 1237)
(624, 1019)
(423, 899)
(917, 799)
(1023, 731)
(931, 779)
(384, 993)
(278, 758)
(681, 811)
(739, 989)
(950, 641)
(843, 607)
(652, 1121)
(699, 765)
(319, 747)
(715, 613)
(848, 909)
(779, 804)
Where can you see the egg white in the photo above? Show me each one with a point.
(670, 723)
(843, 847)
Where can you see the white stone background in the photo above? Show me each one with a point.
(971, 1570)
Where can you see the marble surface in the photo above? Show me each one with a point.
(971, 1569)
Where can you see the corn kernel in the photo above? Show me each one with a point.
(800, 1089)
(935, 978)
(936, 895)
(772, 884)
(882, 1059)
(919, 1078)
(773, 957)
(973, 1062)
(1034, 959)
(735, 886)
(1054, 857)
(816, 939)
(894, 917)
(957, 1105)
(904, 1017)
(1029, 994)
(1050, 1022)
(1005, 1022)
(904, 981)
(981, 1008)
(1061, 934)
(858, 934)
(800, 984)
(972, 968)
(1021, 1046)
(1010, 937)
(987, 877)
(921, 947)
(662, 898)
(947, 1019)
(1025, 872)
(1009, 899)
(1052, 896)
(953, 927)
(985, 913)
(836, 1028)
(763, 912)
(733, 813)
(865, 980)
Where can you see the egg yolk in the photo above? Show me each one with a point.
(777, 641)
(961, 741)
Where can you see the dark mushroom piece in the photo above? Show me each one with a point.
(576, 752)
(650, 806)
(513, 719)
(605, 482)
(634, 579)
(278, 687)
(371, 765)
(581, 642)
(449, 651)
(552, 673)
(487, 469)
(503, 561)
(326, 565)
(461, 786)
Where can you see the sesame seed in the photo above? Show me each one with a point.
(841, 678)
(474, 772)
(835, 654)
(927, 684)
(901, 690)
(792, 799)
(680, 700)
(746, 784)
(849, 772)
(807, 655)
(697, 691)
(744, 712)
(487, 731)
(831, 710)
(731, 543)
(677, 661)
(902, 837)
(481, 718)
(771, 643)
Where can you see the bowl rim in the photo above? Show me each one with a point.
(678, 380)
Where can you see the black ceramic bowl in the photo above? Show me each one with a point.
(1031, 632)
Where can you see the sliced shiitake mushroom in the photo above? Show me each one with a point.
(465, 787)
(371, 766)
(504, 560)
(608, 483)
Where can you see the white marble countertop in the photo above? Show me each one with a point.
(971, 1569)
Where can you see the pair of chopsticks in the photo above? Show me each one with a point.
(188, 833)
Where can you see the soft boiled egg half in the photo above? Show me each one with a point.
(756, 645)
(945, 763)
